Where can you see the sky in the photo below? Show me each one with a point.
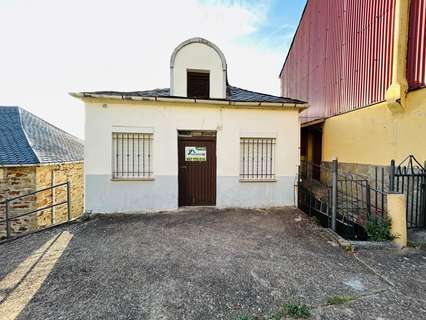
(52, 47)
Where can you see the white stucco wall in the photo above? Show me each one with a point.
(164, 120)
(198, 56)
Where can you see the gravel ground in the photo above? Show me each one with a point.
(202, 264)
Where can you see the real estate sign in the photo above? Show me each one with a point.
(195, 154)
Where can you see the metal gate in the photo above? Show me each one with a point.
(409, 177)
(341, 200)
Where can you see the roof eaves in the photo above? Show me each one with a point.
(294, 37)
(48, 163)
(295, 104)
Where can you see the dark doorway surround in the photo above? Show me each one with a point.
(197, 168)
(311, 147)
(198, 84)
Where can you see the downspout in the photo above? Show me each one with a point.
(397, 92)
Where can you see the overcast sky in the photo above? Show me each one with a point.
(52, 47)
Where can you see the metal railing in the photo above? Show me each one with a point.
(409, 178)
(347, 199)
(9, 218)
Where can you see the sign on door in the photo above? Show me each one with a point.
(195, 154)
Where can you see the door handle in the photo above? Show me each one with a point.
(182, 167)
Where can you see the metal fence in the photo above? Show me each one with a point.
(346, 200)
(363, 196)
(9, 218)
(349, 199)
(409, 178)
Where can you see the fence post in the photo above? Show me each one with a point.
(334, 168)
(69, 201)
(7, 220)
(398, 215)
(392, 176)
(368, 198)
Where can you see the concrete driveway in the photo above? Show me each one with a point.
(202, 264)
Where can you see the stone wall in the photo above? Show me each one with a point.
(47, 176)
(15, 181)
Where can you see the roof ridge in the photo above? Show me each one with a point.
(20, 110)
(50, 124)
(27, 139)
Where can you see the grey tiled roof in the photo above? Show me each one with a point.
(232, 94)
(27, 139)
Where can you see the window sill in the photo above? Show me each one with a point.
(258, 180)
(133, 179)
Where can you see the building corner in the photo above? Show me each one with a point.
(396, 94)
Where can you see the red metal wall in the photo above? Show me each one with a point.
(341, 56)
(416, 60)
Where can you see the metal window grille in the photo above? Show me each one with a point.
(132, 155)
(257, 158)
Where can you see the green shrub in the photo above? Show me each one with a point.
(290, 310)
(378, 229)
(295, 310)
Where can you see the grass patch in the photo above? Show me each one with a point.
(286, 311)
(296, 310)
(275, 316)
(378, 229)
(339, 300)
(290, 310)
(411, 244)
(316, 220)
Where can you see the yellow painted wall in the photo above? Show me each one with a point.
(375, 135)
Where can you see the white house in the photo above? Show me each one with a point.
(201, 142)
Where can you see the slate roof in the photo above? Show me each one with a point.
(234, 94)
(26, 139)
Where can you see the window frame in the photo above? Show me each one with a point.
(133, 131)
(260, 177)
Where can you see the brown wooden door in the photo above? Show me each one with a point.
(197, 171)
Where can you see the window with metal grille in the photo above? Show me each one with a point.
(257, 159)
(132, 155)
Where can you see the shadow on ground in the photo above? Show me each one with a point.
(194, 264)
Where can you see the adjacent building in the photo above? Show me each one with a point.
(35, 155)
(361, 66)
(199, 142)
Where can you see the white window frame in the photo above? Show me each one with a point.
(258, 154)
(140, 142)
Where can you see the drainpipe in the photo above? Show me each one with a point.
(397, 92)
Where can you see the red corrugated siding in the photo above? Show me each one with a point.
(341, 57)
(416, 60)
